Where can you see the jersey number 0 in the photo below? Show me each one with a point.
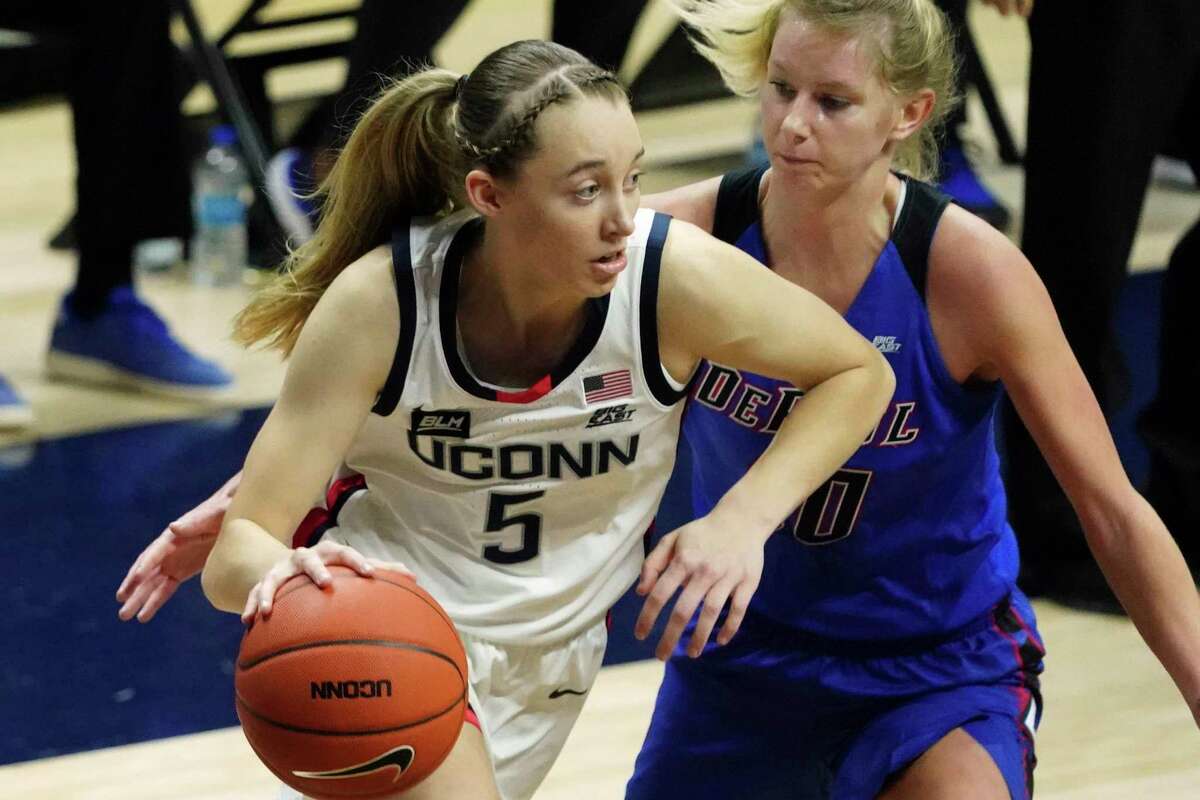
(829, 513)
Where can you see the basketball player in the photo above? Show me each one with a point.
(493, 339)
(887, 652)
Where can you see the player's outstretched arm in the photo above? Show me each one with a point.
(718, 303)
(174, 556)
(1005, 315)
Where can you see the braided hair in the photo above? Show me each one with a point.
(499, 103)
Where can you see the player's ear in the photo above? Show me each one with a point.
(912, 114)
(484, 192)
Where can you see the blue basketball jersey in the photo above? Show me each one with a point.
(909, 538)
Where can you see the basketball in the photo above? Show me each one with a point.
(357, 690)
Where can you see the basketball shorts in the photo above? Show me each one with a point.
(774, 715)
(527, 700)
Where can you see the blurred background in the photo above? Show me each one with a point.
(94, 708)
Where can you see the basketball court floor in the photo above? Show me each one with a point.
(93, 709)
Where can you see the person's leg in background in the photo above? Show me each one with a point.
(132, 184)
(957, 176)
(1099, 110)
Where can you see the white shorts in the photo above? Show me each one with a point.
(527, 700)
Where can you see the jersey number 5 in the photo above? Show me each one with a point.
(530, 523)
(829, 513)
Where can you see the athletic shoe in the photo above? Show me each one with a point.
(289, 181)
(128, 345)
(14, 411)
(958, 179)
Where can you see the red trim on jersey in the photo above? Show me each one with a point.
(470, 718)
(342, 487)
(318, 518)
(535, 392)
(1023, 696)
(314, 519)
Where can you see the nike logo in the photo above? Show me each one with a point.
(557, 693)
(398, 758)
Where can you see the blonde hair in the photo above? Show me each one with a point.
(408, 155)
(914, 50)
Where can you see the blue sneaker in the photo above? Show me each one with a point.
(964, 187)
(127, 344)
(14, 411)
(289, 181)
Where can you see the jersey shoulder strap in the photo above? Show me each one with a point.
(737, 202)
(913, 234)
(406, 296)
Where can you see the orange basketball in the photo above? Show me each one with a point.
(357, 690)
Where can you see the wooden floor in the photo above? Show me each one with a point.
(1114, 729)
(1114, 726)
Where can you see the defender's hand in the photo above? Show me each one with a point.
(177, 554)
(714, 566)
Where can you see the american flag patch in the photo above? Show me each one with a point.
(607, 386)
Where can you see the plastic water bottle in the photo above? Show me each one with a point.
(220, 194)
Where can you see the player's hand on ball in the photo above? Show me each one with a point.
(714, 566)
(175, 555)
(313, 562)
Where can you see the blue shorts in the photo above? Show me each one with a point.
(774, 715)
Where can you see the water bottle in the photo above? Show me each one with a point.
(220, 195)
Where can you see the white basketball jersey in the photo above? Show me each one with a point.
(521, 512)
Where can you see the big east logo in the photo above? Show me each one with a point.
(611, 416)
